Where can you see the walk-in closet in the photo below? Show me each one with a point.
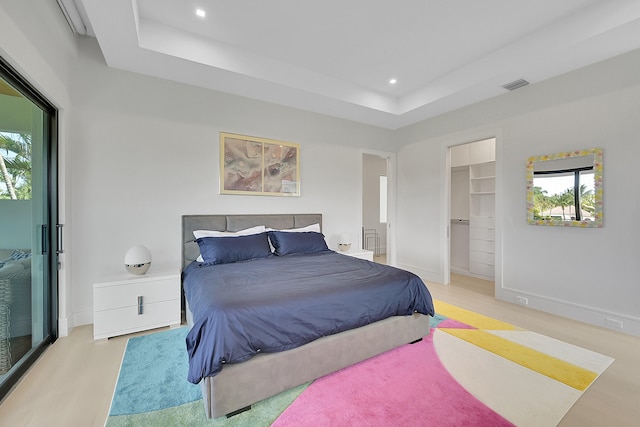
(473, 199)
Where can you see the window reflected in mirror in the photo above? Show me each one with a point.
(565, 189)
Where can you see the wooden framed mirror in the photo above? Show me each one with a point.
(565, 189)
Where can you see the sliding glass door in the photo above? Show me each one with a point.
(28, 238)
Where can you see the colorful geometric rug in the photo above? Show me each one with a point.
(471, 370)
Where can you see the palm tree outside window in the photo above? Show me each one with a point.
(15, 166)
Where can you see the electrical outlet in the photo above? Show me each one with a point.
(613, 323)
(522, 300)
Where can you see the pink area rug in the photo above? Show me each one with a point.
(405, 386)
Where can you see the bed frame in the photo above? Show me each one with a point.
(238, 386)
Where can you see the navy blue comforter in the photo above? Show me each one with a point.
(278, 303)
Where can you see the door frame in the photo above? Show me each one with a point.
(461, 139)
(391, 200)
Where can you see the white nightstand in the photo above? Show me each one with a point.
(358, 253)
(130, 303)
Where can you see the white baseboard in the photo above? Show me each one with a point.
(614, 321)
(84, 317)
(66, 324)
(22, 327)
(63, 327)
(459, 270)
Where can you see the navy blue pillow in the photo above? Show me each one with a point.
(286, 243)
(225, 250)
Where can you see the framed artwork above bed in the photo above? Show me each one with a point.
(258, 166)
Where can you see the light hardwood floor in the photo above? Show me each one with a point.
(72, 383)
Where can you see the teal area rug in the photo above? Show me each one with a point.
(152, 388)
(164, 384)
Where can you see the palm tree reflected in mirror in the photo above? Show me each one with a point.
(565, 189)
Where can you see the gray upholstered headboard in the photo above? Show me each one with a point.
(190, 250)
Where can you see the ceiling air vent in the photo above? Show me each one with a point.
(516, 84)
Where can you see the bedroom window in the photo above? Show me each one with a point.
(383, 199)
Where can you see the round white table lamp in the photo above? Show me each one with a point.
(137, 260)
(344, 242)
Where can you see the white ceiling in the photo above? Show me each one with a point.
(336, 57)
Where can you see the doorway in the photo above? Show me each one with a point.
(28, 235)
(376, 206)
(472, 195)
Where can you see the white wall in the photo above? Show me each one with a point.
(145, 152)
(586, 274)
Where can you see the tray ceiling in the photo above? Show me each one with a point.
(337, 57)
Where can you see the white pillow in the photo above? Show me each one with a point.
(312, 227)
(213, 233)
(246, 232)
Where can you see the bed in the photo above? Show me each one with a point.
(232, 380)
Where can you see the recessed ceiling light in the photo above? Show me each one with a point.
(393, 81)
(201, 13)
